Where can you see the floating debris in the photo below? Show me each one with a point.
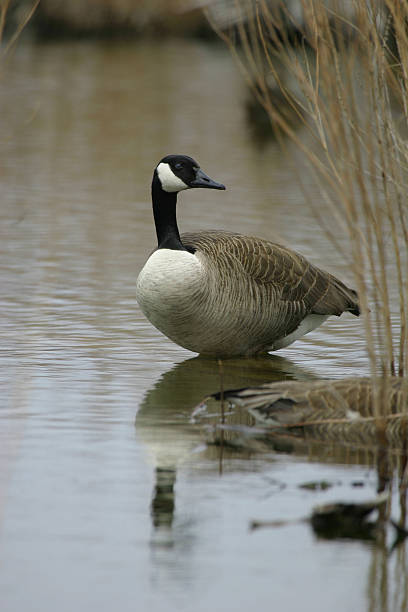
(316, 485)
(340, 411)
(345, 520)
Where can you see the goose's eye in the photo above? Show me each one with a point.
(178, 166)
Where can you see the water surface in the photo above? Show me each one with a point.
(109, 495)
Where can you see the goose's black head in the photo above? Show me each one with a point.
(178, 172)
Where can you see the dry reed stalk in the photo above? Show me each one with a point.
(350, 86)
(4, 8)
(3, 13)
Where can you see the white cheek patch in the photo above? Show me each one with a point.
(169, 181)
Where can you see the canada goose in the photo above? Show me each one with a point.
(224, 294)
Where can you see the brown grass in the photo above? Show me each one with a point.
(25, 18)
(349, 86)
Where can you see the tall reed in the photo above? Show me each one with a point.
(26, 15)
(349, 86)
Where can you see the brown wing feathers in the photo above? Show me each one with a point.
(298, 284)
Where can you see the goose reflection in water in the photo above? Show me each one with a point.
(163, 422)
(171, 439)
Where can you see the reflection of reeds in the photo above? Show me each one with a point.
(350, 76)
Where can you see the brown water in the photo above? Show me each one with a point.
(109, 496)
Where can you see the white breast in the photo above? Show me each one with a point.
(168, 286)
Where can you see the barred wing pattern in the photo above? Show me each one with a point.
(288, 286)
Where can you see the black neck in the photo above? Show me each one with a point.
(164, 212)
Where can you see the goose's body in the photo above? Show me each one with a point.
(226, 294)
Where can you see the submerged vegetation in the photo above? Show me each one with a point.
(346, 80)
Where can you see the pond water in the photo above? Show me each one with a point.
(110, 497)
